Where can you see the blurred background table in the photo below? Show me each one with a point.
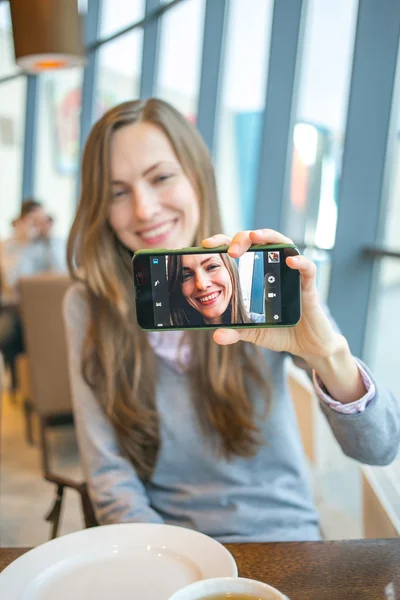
(352, 570)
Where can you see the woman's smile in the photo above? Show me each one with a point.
(158, 234)
(209, 298)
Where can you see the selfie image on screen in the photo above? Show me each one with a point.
(213, 289)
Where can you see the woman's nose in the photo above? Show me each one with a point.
(146, 205)
(202, 281)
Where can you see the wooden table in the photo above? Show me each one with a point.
(347, 570)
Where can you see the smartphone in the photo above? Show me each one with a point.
(202, 288)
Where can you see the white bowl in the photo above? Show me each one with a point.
(201, 590)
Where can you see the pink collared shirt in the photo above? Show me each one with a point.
(351, 408)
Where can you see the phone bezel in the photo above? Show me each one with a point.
(290, 288)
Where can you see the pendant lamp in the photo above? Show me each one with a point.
(47, 34)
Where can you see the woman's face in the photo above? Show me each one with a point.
(207, 285)
(153, 202)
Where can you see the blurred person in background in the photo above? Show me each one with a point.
(30, 250)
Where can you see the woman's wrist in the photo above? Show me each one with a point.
(339, 373)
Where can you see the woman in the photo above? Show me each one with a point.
(194, 429)
(205, 289)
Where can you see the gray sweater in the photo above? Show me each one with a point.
(264, 498)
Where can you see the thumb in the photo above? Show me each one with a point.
(224, 337)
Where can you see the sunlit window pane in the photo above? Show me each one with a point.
(325, 73)
(119, 64)
(12, 126)
(7, 58)
(240, 121)
(180, 55)
(57, 160)
(118, 14)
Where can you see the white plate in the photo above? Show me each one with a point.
(135, 561)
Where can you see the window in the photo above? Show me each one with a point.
(12, 124)
(119, 64)
(7, 57)
(58, 122)
(384, 321)
(321, 121)
(180, 55)
(12, 127)
(242, 105)
(118, 14)
(320, 128)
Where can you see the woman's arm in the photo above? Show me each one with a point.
(338, 373)
(370, 435)
(117, 493)
(367, 429)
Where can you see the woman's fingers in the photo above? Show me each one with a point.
(307, 270)
(217, 240)
(224, 337)
(269, 236)
(242, 241)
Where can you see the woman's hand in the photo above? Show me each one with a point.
(313, 337)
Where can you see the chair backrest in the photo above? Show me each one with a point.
(41, 312)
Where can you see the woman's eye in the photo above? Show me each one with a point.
(186, 276)
(161, 178)
(119, 194)
(212, 267)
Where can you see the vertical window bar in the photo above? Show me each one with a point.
(150, 51)
(273, 189)
(30, 137)
(370, 132)
(211, 68)
(92, 21)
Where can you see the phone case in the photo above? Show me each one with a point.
(217, 249)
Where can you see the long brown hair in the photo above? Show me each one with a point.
(182, 314)
(118, 362)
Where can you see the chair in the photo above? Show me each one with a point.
(86, 503)
(41, 312)
(47, 375)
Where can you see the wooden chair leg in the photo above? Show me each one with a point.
(44, 446)
(14, 382)
(28, 410)
(87, 508)
(54, 516)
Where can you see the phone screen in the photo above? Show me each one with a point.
(211, 289)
